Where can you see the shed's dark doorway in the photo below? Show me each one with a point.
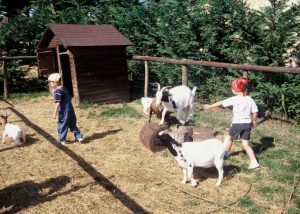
(66, 71)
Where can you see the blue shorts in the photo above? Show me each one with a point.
(241, 130)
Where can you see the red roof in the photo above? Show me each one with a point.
(75, 35)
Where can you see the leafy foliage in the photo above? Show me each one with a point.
(213, 30)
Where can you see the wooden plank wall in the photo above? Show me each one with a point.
(102, 74)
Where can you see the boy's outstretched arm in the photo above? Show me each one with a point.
(207, 106)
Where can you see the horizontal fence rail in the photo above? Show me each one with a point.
(245, 67)
(4, 58)
(185, 62)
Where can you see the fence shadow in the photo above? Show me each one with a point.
(97, 176)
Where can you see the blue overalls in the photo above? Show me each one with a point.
(66, 114)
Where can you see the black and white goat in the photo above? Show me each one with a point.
(178, 99)
(191, 154)
(13, 131)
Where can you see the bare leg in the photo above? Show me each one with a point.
(229, 143)
(249, 150)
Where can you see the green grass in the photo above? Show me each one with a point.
(248, 203)
(85, 105)
(21, 97)
(268, 191)
(191, 204)
(123, 111)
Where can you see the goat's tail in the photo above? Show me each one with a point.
(194, 91)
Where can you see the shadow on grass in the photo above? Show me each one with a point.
(211, 172)
(101, 135)
(89, 169)
(18, 196)
(29, 141)
(258, 148)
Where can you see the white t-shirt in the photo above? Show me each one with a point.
(243, 107)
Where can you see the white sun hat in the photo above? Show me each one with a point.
(55, 77)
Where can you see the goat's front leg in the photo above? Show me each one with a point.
(186, 113)
(178, 115)
(219, 166)
(162, 121)
(17, 140)
(190, 172)
(185, 178)
(3, 137)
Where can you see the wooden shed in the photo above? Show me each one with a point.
(90, 58)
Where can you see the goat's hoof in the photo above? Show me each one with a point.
(218, 185)
(194, 185)
(184, 181)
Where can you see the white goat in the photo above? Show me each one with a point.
(178, 99)
(191, 154)
(13, 131)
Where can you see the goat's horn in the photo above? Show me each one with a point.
(165, 87)
(158, 86)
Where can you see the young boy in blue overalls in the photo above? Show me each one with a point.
(64, 109)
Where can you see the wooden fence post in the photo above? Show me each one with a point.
(5, 80)
(184, 75)
(146, 79)
(245, 74)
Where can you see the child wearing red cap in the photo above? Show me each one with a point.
(244, 117)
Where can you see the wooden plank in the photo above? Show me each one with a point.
(184, 75)
(4, 58)
(46, 63)
(5, 79)
(146, 79)
(221, 65)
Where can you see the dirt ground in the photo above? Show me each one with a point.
(112, 172)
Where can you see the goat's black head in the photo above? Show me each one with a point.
(165, 96)
(167, 141)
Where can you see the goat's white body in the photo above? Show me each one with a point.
(146, 102)
(183, 97)
(202, 154)
(15, 132)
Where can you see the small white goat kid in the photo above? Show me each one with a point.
(191, 154)
(13, 131)
(178, 99)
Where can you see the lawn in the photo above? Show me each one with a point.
(113, 172)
